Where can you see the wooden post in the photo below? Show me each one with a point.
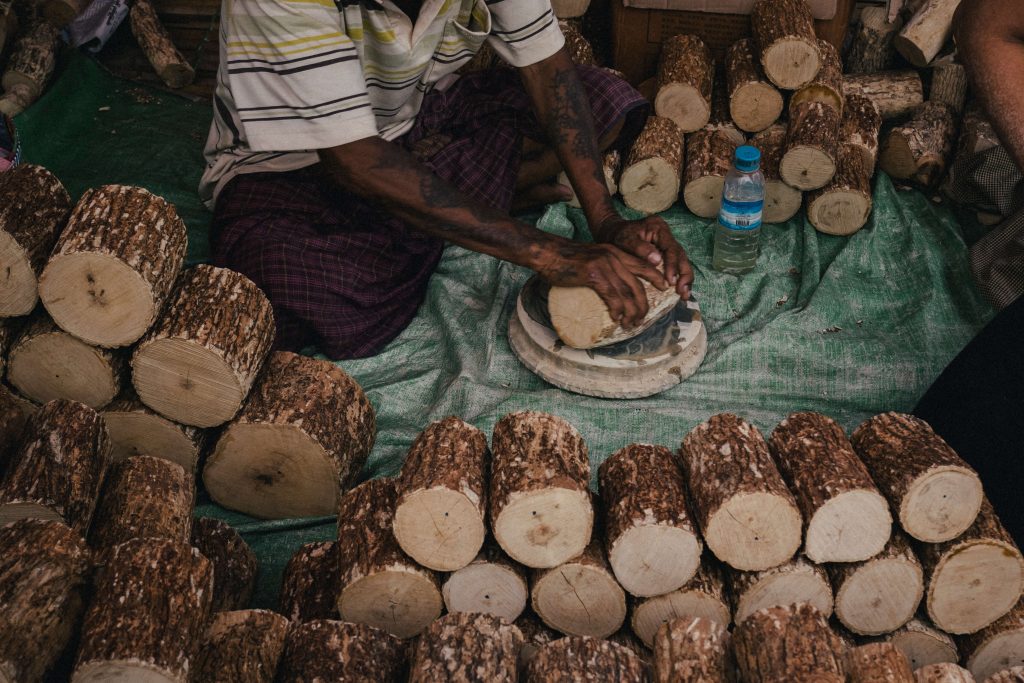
(32, 60)
(896, 94)
(949, 86)
(872, 49)
(136, 429)
(709, 156)
(686, 74)
(301, 439)
(795, 581)
(749, 518)
(693, 649)
(877, 663)
(781, 202)
(168, 62)
(467, 647)
(788, 643)
(784, 39)
(843, 206)
(325, 650)
(234, 563)
(702, 596)
(926, 32)
(650, 179)
(920, 149)
(493, 583)
(241, 646)
(812, 146)
(923, 644)
(311, 583)
(827, 85)
(943, 673)
(585, 660)
(998, 646)
(860, 126)
(754, 103)
(540, 509)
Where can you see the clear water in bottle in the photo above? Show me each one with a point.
(738, 234)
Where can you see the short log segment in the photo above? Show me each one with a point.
(872, 48)
(788, 584)
(749, 518)
(60, 13)
(442, 496)
(136, 429)
(860, 126)
(843, 206)
(651, 177)
(877, 663)
(652, 545)
(686, 74)
(536, 635)
(784, 38)
(380, 585)
(895, 94)
(464, 648)
(59, 467)
(144, 497)
(998, 646)
(721, 119)
(949, 86)
(920, 149)
(781, 202)
(827, 85)
(44, 570)
(337, 651)
(492, 583)
(709, 156)
(926, 32)
(579, 48)
(202, 356)
(150, 609)
(923, 644)
(33, 208)
(1014, 675)
(14, 414)
(812, 146)
(847, 519)
(932, 491)
(33, 59)
(702, 596)
(234, 564)
(310, 587)
(242, 646)
(754, 103)
(693, 649)
(301, 439)
(114, 265)
(880, 594)
(540, 508)
(586, 660)
(170, 65)
(943, 673)
(792, 643)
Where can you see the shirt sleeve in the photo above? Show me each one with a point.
(524, 32)
(295, 77)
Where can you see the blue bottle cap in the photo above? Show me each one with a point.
(747, 158)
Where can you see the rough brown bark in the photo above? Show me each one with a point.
(33, 208)
(709, 156)
(827, 85)
(693, 649)
(234, 563)
(926, 32)
(932, 491)
(998, 646)
(686, 74)
(860, 126)
(325, 650)
(949, 86)
(493, 583)
(749, 518)
(536, 635)
(59, 467)
(877, 663)
(754, 103)
(1013, 675)
(795, 581)
(310, 587)
(976, 136)
(943, 673)
(60, 13)
(650, 179)
(168, 62)
(781, 202)
(14, 414)
(10, 328)
(812, 146)
(585, 660)
(896, 94)
(540, 508)
(923, 644)
(301, 439)
(791, 643)
(136, 429)
(702, 596)
(872, 49)
(44, 571)
(465, 648)
(721, 119)
(843, 206)
(33, 58)
(784, 39)
(151, 605)
(242, 647)
(579, 48)
(920, 149)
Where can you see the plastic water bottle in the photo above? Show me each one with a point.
(738, 235)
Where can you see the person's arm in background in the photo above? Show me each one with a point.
(990, 39)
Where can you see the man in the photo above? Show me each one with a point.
(344, 153)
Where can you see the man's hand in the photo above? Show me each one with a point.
(651, 240)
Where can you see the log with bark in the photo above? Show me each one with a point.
(872, 47)
(781, 202)
(843, 205)
(754, 103)
(16, 99)
(949, 86)
(943, 673)
(926, 32)
(923, 644)
(311, 583)
(860, 126)
(301, 439)
(241, 646)
(919, 150)
(748, 516)
(877, 663)
(380, 585)
(827, 85)
(114, 265)
(1011, 675)
(44, 573)
(812, 146)
(168, 62)
(693, 649)
(540, 508)
(650, 179)
(326, 650)
(686, 74)
(795, 581)
(14, 415)
(933, 493)
(464, 648)
(60, 13)
(203, 354)
(976, 136)
(59, 467)
(33, 59)
(585, 660)
(721, 119)
(882, 593)
(148, 614)
(709, 156)
(997, 647)
(652, 545)
(791, 643)
(47, 363)
(136, 429)
(576, 44)
(703, 596)
(784, 42)
(625, 637)
(234, 564)
(896, 94)
(536, 635)
(493, 583)
(33, 209)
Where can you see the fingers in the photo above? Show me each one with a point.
(632, 293)
(641, 268)
(677, 265)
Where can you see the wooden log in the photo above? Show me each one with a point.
(709, 156)
(703, 596)
(976, 136)
(943, 673)
(540, 508)
(493, 583)
(686, 74)
(860, 126)
(895, 94)
(880, 594)
(923, 644)
(975, 578)
(151, 606)
(16, 99)
(1012, 675)
(872, 47)
(812, 146)
(791, 643)
(920, 149)
(570, 9)
(32, 60)
(326, 650)
(168, 62)
(949, 86)
(843, 206)
(847, 519)
(784, 41)
(934, 494)
(234, 564)
(14, 415)
(44, 573)
(754, 103)
(749, 518)
(997, 647)
(693, 649)
(301, 439)
(136, 429)
(625, 637)
(59, 467)
(33, 208)
(877, 663)
(380, 585)
(241, 646)
(788, 584)
(652, 545)
(827, 85)
(721, 119)
(585, 660)
(926, 32)
(201, 357)
(650, 179)
(576, 44)
(311, 583)
(60, 13)
(536, 635)
(781, 202)
(464, 648)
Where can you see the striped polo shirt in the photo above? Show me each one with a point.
(300, 75)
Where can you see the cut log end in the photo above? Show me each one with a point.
(801, 584)
(781, 202)
(400, 602)
(754, 106)
(943, 673)
(791, 63)
(922, 644)
(452, 540)
(881, 596)
(841, 212)
(581, 318)
(487, 588)
(942, 504)
(973, 586)
(650, 186)
(807, 168)
(546, 527)
(684, 104)
(19, 292)
(703, 196)
(580, 600)
(126, 672)
(754, 531)
(56, 365)
(649, 615)
(139, 433)
(656, 559)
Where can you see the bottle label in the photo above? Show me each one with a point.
(741, 215)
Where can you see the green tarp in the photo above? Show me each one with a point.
(845, 326)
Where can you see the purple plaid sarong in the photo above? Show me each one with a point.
(343, 274)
